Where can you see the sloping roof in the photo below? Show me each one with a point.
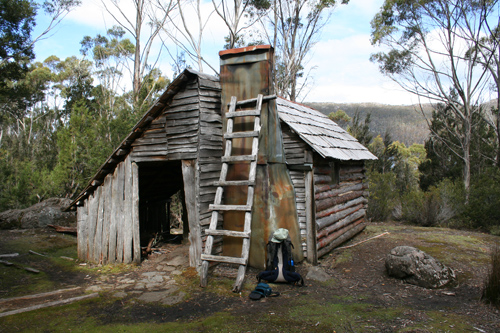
(123, 149)
(323, 135)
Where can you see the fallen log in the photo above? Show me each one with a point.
(34, 296)
(66, 230)
(38, 254)
(46, 305)
(9, 255)
(6, 263)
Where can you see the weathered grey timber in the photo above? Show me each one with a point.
(178, 146)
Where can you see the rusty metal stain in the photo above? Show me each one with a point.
(245, 73)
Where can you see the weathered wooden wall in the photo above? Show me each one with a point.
(108, 222)
(210, 153)
(295, 155)
(340, 204)
(188, 129)
(331, 210)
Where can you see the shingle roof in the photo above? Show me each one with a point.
(322, 134)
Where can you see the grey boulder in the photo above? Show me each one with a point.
(418, 268)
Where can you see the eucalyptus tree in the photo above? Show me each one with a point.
(187, 24)
(487, 50)
(17, 21)
(428, 44)
(296, 26)
(240, 15)
(145, 13)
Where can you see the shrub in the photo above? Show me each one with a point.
(383, 198)
(482, 211)
(421, 208)
(437, 206)
(491, 289)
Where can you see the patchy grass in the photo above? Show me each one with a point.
(358, 297)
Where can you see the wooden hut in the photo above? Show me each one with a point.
(327, 168)
(178, 145)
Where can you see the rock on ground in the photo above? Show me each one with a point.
(317, 274)
(418, 268)
(39, 215)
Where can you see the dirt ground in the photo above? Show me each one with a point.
(359, 291)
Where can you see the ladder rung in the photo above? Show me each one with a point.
(235, 183)
(254, 100)
(248, 134)
(238, 158)
(230, 233)
(229, 260)
(255, 113)
(243, 208)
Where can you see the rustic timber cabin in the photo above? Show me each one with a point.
(247, 163)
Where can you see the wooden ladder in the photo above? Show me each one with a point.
(217, 207)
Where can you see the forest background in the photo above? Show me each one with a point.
(438, 160)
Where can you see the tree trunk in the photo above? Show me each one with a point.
(137, 55)
(466, 157)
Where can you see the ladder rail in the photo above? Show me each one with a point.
(218, 207)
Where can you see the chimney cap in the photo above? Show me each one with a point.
(244, 50)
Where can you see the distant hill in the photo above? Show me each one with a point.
(405, 123)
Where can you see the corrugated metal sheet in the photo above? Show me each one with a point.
(323, 135)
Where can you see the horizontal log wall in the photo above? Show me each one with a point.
(340, 206)
(108, 222)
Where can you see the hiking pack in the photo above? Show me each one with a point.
(280, 266)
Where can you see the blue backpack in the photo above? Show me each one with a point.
(280, 266)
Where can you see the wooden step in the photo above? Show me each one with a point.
(238, 158)
(247, 113)
(241, 208)
(229, 260)
(235, 183)
(230, 233)
(254, 100)
(247, 134)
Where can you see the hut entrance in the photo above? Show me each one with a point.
(161, 203)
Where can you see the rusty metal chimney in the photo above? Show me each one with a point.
(245, 73)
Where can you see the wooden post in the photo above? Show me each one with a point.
(99, 221)
(135, 214)
(312, 254)
(191, 188)
(119, 212)
(91, 220)
(114, 218)
(107, 218)
(127, 212)
(82, 227)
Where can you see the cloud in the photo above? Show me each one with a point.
(344, 73)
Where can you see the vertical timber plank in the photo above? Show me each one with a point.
(119, 212)
(312, 253)
(113, 218)
(98, 230)
(107, 218)
(191, 187)
(135, 215)
(92, 219)
(82, 235)
(127, 211)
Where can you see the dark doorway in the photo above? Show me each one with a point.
(161, 202)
